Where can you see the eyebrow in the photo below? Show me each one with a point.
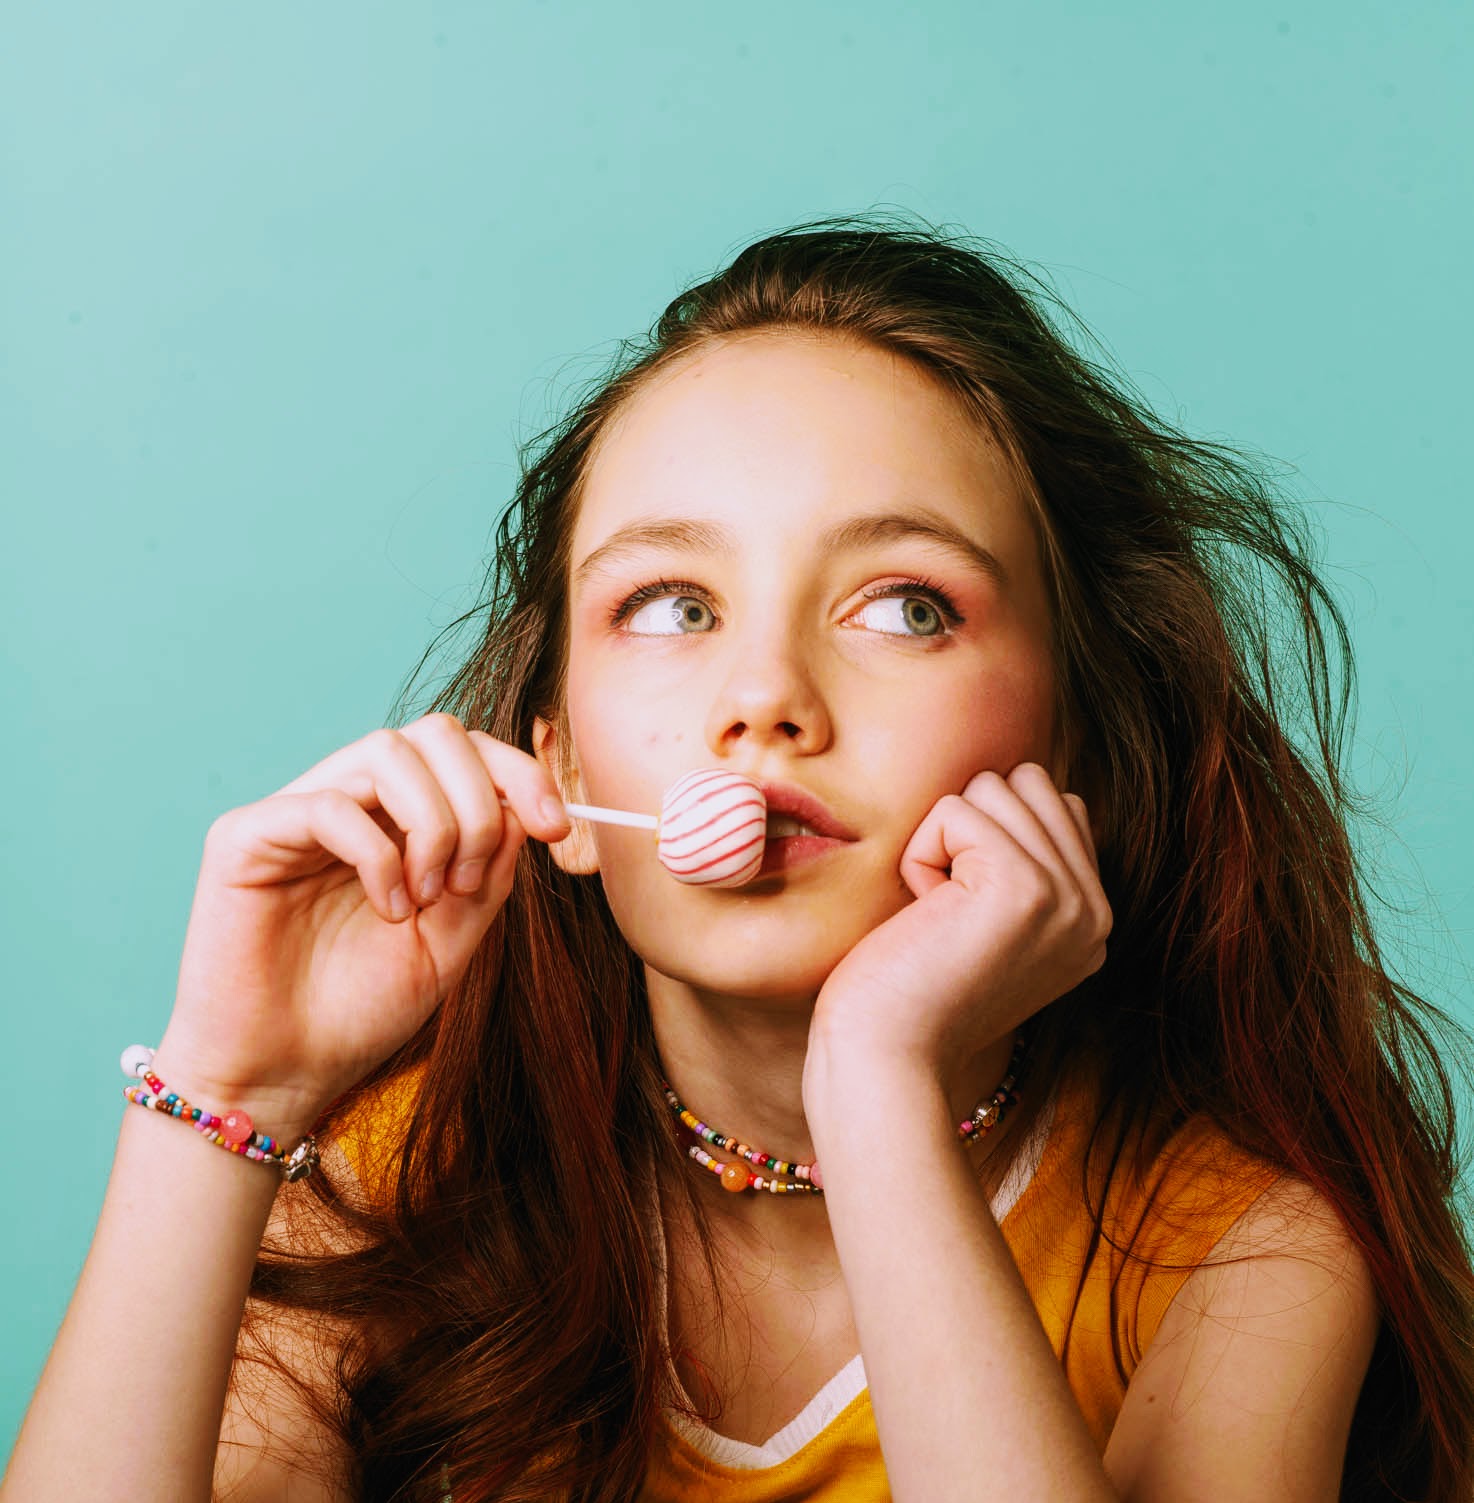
(685, 535)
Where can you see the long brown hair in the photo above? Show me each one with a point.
(506, 1271)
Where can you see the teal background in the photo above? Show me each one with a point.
(284, 285)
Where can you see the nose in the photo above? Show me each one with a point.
(769, 697)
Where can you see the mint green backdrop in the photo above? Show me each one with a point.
(283, 285)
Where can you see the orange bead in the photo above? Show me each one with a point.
(734, 1177)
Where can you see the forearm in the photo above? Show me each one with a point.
(134, 1389)
(969, 1399)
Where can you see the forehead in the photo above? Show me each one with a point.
(794, 429)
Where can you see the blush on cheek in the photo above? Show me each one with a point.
(1009, 722)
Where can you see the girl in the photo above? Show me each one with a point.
(1043, 860)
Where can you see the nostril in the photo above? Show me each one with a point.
(790, 730)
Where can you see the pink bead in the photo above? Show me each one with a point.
(816, 1178)
(236, 1128)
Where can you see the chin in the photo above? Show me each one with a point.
(773, 939)
(784, 988)
(750, 956)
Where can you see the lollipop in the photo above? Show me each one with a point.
(711, 828)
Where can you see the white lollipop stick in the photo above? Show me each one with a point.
(711, 831)
(613, 816)
(607, 816)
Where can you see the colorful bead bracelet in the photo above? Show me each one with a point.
(234, 1131)
(807, 1178)
(987, 1114)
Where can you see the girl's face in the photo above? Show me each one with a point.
(795, 558)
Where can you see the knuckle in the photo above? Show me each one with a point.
(224, 820)
(1105, 920)
(436, 841)
(382, 741)
(1074, 911)
(1034, 893)
(222, 828)
(981, 784)
(480, 837)
(335, 800)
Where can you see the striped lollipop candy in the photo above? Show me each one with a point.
(712, 828)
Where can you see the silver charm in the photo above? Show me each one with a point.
(301, 1161)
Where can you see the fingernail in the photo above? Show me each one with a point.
(467, 876)
(399, 903)
(553, 811)
(432, 884)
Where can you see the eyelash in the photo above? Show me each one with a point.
(652, 591)
(925, 588)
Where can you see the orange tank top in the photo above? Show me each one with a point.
(1100, 1304)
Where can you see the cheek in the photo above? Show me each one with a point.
(626, 756)
(1008, 722)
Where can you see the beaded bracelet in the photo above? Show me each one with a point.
(988, 1112)
(234, 1132)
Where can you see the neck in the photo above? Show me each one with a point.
(737, 1063)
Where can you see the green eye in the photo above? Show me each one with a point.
(902, 616)
(923, 618)
(670, 616)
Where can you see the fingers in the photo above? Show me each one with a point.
(1024, 838)
(1064, 821)
(1081, 815)
(310, 825)
(1049, 825)
(442, 786)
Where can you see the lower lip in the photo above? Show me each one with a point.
(784, 853)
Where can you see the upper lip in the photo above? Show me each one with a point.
(799, 804)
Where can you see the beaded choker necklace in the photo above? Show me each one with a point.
(806, 1178)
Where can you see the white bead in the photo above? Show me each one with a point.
(136, 1059)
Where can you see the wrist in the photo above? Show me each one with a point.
(283, 1113)
(853, 1094)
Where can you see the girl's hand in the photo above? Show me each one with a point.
(331, 918)
(1009, 914)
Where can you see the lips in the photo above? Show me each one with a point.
(796, 812)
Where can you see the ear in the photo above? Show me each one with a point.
(576, 855)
